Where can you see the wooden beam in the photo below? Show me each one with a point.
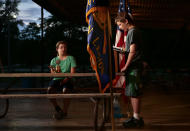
(45, 74)
(58, 96)
(49, 74)
(23, 89)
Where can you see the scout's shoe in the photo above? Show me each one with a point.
(133, 123)
(59, 115)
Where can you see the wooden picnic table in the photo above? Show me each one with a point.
(94, 97)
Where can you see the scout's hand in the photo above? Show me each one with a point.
(64, 81)
(52, 69)
(123, 49)
(123, 69)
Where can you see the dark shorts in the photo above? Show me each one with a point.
(59, 87)
(133, 83)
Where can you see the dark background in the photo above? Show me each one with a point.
(163, 48)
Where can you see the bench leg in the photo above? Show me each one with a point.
(105, 114)
(4, 104)
(96, 114)
(107, 110)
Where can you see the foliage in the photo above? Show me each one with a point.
(57, 29)
(8, 13)
(30, 32)
(8, 24)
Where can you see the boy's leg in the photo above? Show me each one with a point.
(136, 120)
(66, 103)
(59, 114)
(68, 88)
(135, 102)
(52, 90)
(134, 92)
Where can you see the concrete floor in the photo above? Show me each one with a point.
(162, 109)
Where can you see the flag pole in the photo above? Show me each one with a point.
(111, 93)
(111, 87)
(110, 76)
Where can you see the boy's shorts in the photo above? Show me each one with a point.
(133, 83)
(59, 87)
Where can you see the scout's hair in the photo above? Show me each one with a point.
(121, 17)
(59, 43)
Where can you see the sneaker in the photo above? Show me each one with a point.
(133, 123)
(59, 115)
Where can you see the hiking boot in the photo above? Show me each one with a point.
(59, 115)
(133, 123)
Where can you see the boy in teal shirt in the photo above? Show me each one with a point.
(63, 63)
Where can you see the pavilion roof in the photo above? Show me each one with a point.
(166, 14)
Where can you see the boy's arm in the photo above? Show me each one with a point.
(130, 57)
(72, 69)
(52, 69)
(68, 78)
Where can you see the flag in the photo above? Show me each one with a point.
(120, 42)
(129, 10)
(99, 35)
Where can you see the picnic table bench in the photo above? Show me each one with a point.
(94, 97)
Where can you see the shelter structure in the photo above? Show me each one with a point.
(156, 14)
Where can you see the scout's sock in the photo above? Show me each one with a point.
(136, 116)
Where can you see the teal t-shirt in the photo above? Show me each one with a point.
(65, 65)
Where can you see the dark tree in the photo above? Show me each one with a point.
(30, 32)
(9, 31)
(59, 29)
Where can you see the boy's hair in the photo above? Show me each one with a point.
(59, 43)
(122, 16)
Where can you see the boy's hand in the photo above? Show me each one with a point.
(123, 69)
(64, 81)
(123, 49)
(52, 69)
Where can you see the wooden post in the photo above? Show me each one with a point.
(9, 47)
(110, 75)
(42, 44)
(42, 38)
(111, 87)
(116, 61)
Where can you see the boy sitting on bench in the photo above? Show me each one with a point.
(63, 63)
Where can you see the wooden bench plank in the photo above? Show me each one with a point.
(49, 74)
(22, 89)
(73, 96)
